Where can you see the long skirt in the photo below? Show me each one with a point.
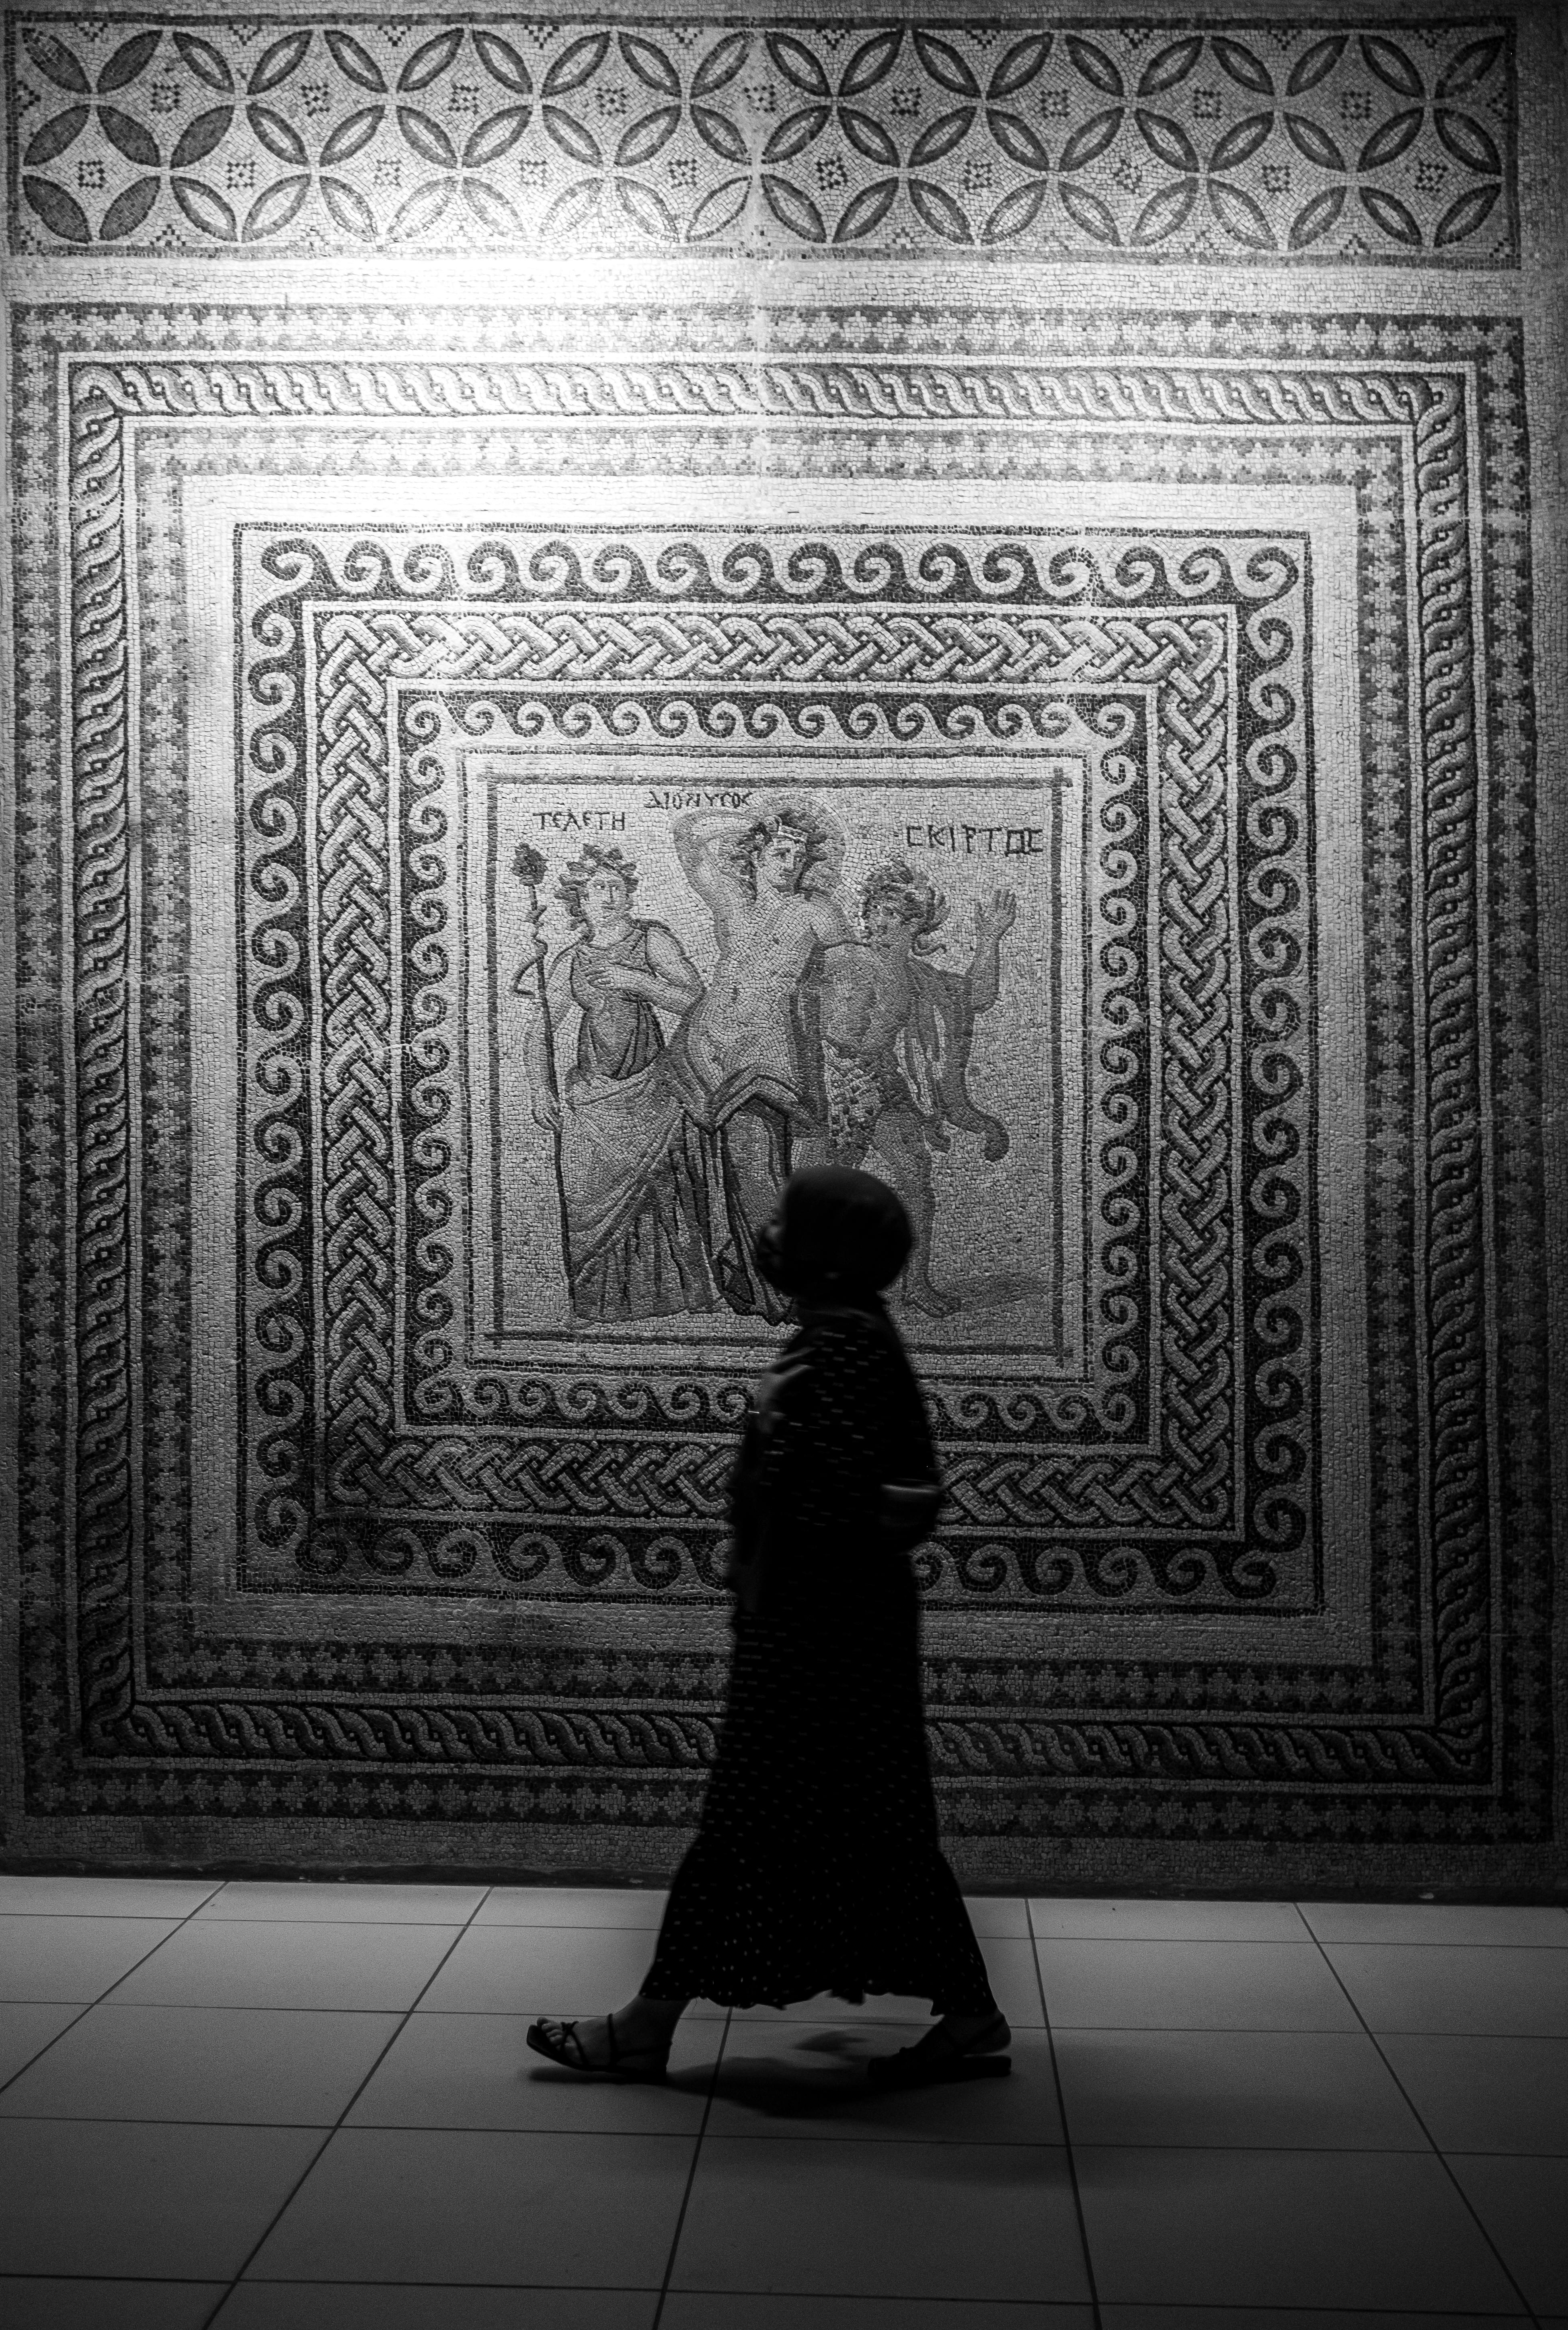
(818, 1864)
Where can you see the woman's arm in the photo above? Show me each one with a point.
(908, 1513)
(820, 1412)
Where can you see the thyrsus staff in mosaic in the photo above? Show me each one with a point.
(896, 1031)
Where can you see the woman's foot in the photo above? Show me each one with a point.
(960, 2047)
(973, 2034)
(632, 2044)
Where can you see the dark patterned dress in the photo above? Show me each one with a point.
(818, 1864)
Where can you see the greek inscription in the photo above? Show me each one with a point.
(670, 797)
(979, 840)
(580, 820)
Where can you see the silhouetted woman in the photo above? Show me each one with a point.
(817, 1865)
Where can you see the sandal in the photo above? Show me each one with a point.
(560, 2043)
(937, 2059)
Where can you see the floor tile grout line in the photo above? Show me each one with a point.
(865, 2023)
(11, 2080)
(692, 2173)
(664, 2135)
(1307, 1938)
(614, 2288)
(327, 2134)
(1331, 2314)
(92, 2003)
(968, 2142)
(1294, 2030)
(1082, 2221)
(1334, 2315)
(104, 1917)
(1438, 2154)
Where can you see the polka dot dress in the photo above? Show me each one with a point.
(817, 1865)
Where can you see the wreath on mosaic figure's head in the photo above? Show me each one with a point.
(578, 872)
(805, 819)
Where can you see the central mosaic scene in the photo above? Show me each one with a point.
(658, 866)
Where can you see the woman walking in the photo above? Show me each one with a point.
(818, 1864)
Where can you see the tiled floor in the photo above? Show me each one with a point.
(288, 2107)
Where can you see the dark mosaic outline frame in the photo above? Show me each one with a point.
(1472, 1761)
(1036, 1482)
(502, 716)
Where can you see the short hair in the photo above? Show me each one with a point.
(799, 818)
(579, 872)
(919, 904)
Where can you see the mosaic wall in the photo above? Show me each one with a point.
(604, 607)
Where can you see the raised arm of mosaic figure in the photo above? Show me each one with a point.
(994, 918)
(695, 835)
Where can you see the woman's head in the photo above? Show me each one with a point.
(836, 1234)
(598, 886)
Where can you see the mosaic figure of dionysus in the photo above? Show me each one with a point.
(767, 881)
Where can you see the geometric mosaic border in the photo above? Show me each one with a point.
(1188, 1480)
(1379, 142)
(1444, 1732)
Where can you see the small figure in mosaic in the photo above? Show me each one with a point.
(897, 1032)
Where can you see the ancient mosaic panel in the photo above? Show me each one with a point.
(501, 773)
